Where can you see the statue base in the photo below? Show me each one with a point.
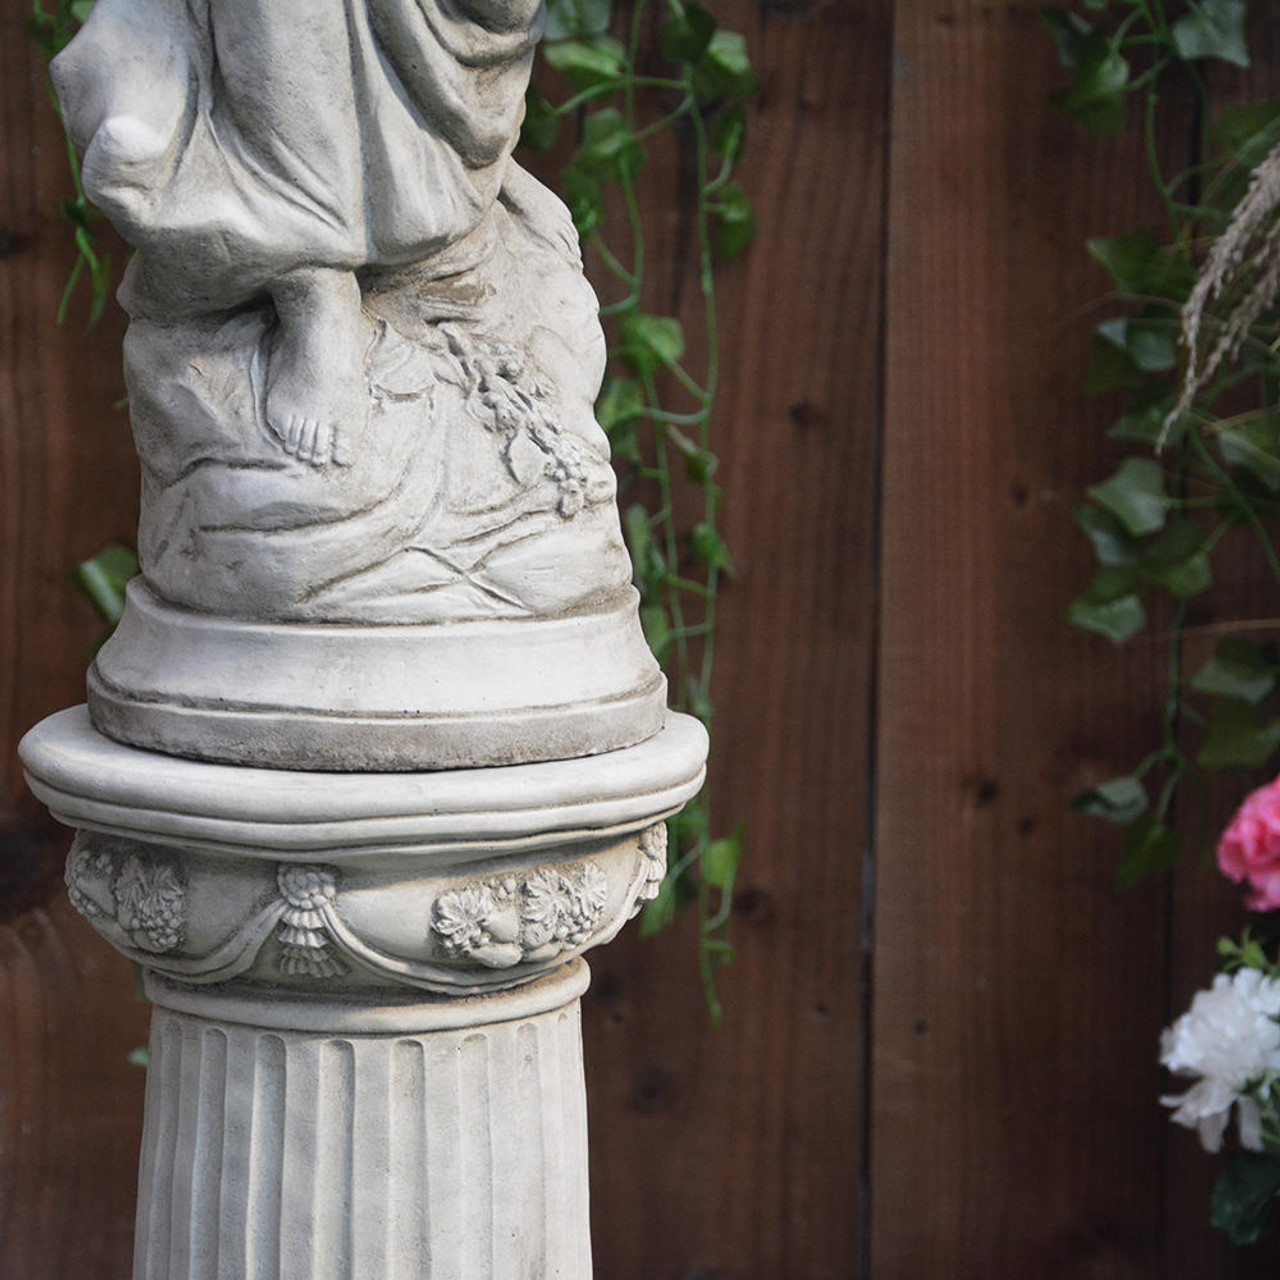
(354, 698)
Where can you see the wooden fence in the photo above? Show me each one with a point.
(938, 1058)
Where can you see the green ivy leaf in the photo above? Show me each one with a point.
(1110, 606)
(698, 700)
(1149, 848)
(657, 630)
(1111, 367)
(1135, 495)
(686, 35)
(1149, 343)
(588, 62)
(660, 911)
(1177, 560)
(650, 342)
(102, 579)
(1144, 425)
(737, 217)
(1112, 543)
(617, 411)
(1120, 800)
(585, 199)
(708, 547)
(1141, 266)
(646, 558)
(1238, 737)
(1255, 447)
(721, 859)
(724, 70)
(1070, 33)
(1212, 29)
(729, 131)
(607, 144)
(1247, 133)
(541, 125)
(1244, 1196)
(1238, 669)
(621, 401)
(1096, 95)
(699, 464)
(567, 18)
(1119, 620)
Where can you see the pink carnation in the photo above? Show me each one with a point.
(1249, 850)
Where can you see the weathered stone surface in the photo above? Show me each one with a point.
(361, 365)
(366, 1057)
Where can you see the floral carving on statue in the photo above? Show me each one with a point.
(304, 940)
(500, 923)
(145, 897)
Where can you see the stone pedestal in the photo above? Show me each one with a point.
(365, 1054)
(431, 1149)
(385, 749)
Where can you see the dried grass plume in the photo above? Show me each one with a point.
(1242, 266)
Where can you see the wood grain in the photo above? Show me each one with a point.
(1014, 1126)
(736, 1152)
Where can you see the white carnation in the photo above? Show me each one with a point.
(1230, 1039)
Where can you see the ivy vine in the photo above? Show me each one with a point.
(1204, 474)
(616, 83)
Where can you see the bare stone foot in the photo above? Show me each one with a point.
(315, 380)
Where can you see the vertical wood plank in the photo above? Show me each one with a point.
(70, 1103)
(736, 1153)
(1014, 1129)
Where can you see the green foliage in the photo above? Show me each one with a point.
(1209, 479)
(52, 30)
(619, 100)
(1244, 1196)
(102, 580)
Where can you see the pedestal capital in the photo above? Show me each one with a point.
(454, 883)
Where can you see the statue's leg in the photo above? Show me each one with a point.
(285, 69)
(315, 380)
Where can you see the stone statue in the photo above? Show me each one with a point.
(362, 360)
(380, 549)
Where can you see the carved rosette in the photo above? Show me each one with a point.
(201, 919)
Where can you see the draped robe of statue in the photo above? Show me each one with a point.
(362, 362)
(234, 140)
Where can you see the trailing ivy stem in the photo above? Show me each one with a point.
(1241, 503)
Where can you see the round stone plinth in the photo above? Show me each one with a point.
(456, 883)
(345, 698)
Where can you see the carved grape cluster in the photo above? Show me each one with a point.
(144, 897)
(502, 922)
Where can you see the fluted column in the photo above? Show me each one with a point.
(458, 1151)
